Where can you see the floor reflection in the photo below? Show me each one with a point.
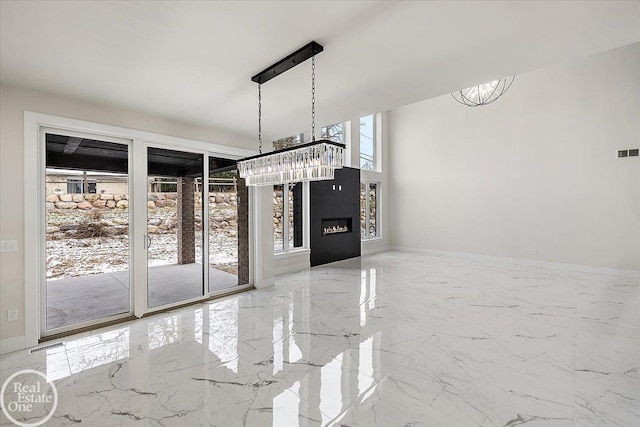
(387, 340)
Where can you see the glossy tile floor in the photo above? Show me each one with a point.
(393, 339)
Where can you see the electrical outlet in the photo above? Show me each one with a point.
(12, 315)
(9, 246)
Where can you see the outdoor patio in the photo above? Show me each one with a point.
(79, 299)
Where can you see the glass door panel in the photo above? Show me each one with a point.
(174, 226)
(228, 226)
(87, 231)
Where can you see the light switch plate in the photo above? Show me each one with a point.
(9, 246)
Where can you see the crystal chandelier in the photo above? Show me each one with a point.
(483, 94)
(314, 161)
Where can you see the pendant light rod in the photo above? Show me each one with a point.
(299, 56)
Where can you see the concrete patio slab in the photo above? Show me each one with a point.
(80, 299)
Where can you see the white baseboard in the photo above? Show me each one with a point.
(520, 261)
(290, 262)
(373, 249)
(265, 283)
(10, 345)
(291, 268)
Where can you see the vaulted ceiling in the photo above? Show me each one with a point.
(192, 61)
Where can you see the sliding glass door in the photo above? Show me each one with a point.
(87, 234)
(228, 227)
(174, 239)
(129, 227)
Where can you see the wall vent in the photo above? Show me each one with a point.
(45, 347)
(631, 152)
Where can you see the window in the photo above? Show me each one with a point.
(333, 132)
(74, 186)
(287, 217)
(367, 143)
(369, 196)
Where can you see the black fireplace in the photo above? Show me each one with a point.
(335, 217)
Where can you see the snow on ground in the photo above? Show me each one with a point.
(81, 243)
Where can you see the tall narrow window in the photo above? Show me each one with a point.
(287, 217)
(367, 143)
(333, 132)
(369, 196)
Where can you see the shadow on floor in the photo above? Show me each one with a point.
(79, 299)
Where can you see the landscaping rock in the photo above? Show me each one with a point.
(91, 197)
(77, 198)
(151, 204)
(66, 197)
(111, 204)
(106, 196)
(122, 204)
(66, 205)
(155, 221)
(52, 198)
(84, 205)
(99, 204)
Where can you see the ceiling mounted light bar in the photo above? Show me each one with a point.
(298, 57)
(314, 161)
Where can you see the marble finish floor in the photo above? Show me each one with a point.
(392, 339)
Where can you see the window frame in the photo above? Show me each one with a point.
(374, 139)
(286, 212)
(367, 228)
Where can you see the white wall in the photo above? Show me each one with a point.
(535, 170)
(13, 102)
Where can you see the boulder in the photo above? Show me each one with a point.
(117, 197)
(66, 205)
(66, 197)
(152, 229)
(99, 204)
(52, 198)
(151, 204)
(171, 196)
(106, 196)
(155, 221)
(170, 203)
(84, 205)
(111, 204)
(219, 198)
(160, 203)
(91, 197)
(122, 204)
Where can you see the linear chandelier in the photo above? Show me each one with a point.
(483, 94)
(313, 161)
